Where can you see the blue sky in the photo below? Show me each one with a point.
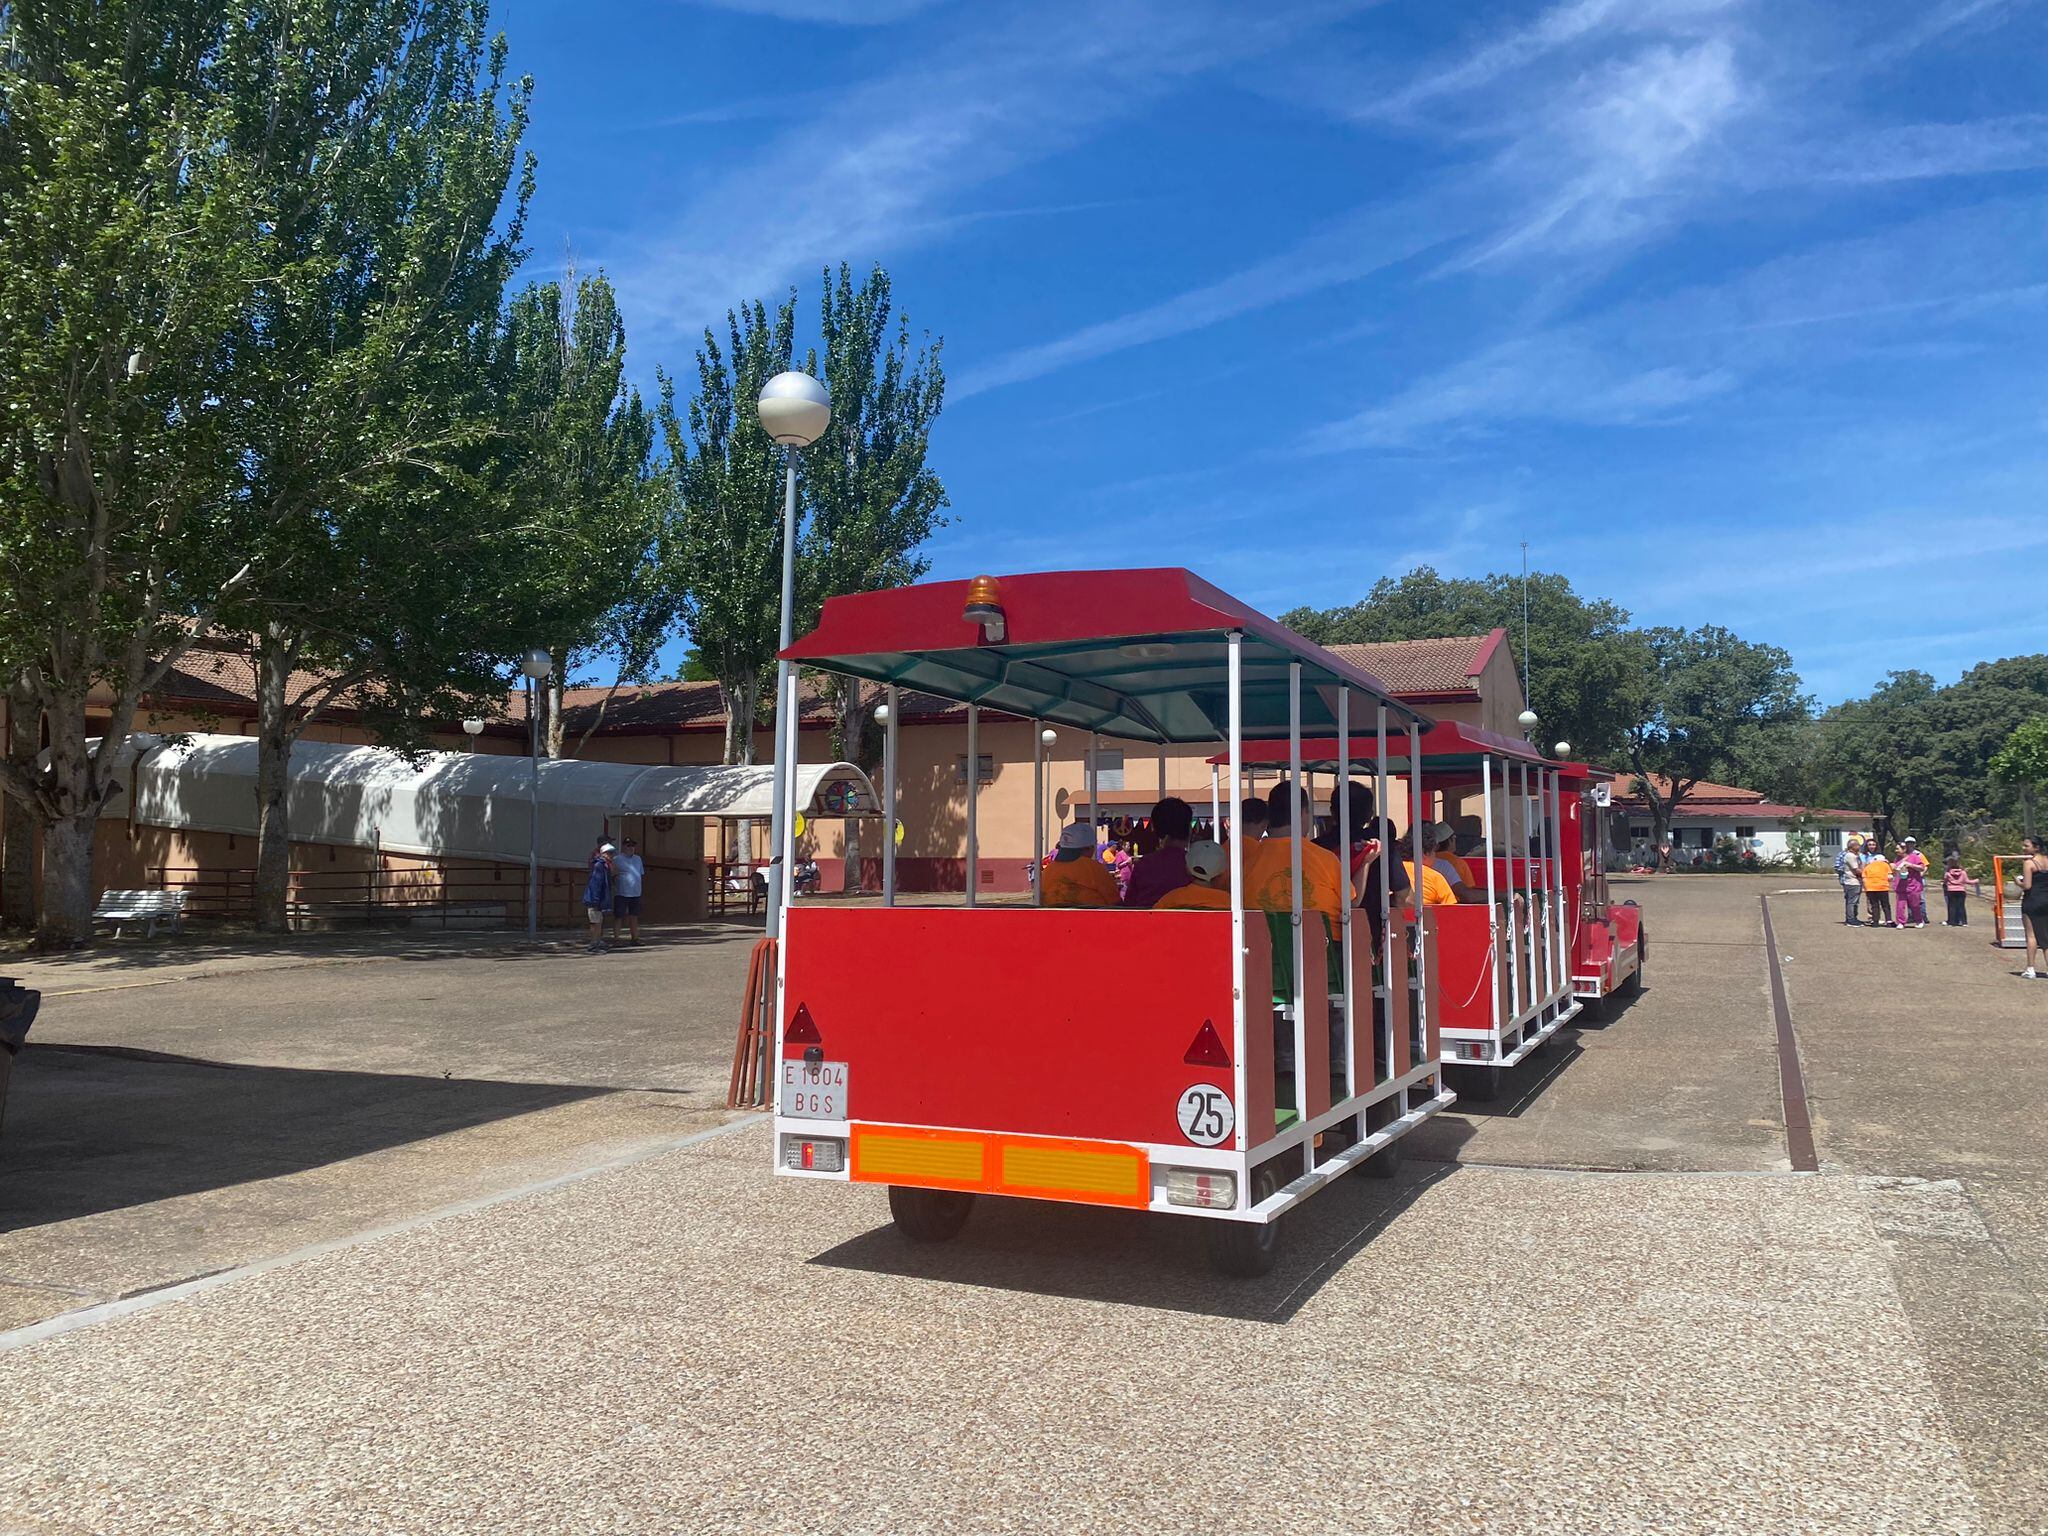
(1736, 312)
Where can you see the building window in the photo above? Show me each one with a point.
(1831, 837)
(985, 768)
(1745, 831)
(1639, 834)
(1109, 769)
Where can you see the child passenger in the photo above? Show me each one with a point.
(1208, 887)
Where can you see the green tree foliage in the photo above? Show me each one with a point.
(2023, 763)
(1714, 704)
(1587, 668)
(723, 536)
(1921, 755)
(383, 141)
(587, 502)
(131, 236)
(873, 499)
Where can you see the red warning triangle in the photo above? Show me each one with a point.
(802, 1030)
(1207, 1051)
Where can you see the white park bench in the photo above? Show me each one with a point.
(145, 907)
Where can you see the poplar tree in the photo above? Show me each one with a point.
(873, 499)
(586, 499)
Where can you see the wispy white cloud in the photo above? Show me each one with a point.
(1562, 377)
(1350, 250)
(874, 171)
(1909, 152)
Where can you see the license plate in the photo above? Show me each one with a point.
(814, 1090)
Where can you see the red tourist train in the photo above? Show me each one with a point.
(1224, 1065)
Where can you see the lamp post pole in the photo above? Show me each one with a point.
(794, 410)
(535, 665)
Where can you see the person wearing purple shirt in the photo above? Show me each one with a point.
(1166, 867)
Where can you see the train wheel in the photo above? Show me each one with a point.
(929, 1215)
(1383, 1164)
(1245, 1250)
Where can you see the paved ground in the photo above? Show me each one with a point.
(185, 1109)
(1496, 1341)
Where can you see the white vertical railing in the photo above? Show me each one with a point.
(1239, 1010)
(973, 802)
(895, 706)
(1342, 795)
(1493, 924)
(1294, 798)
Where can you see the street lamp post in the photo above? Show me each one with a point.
(794, 411)
(472, 729)
(534, 666)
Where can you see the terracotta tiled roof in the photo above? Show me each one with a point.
(1627, 786)
(1431, 667)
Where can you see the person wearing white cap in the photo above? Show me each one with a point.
(1208, 888)
(597, 894)
(1077, 877)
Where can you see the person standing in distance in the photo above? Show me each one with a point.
(629, 874)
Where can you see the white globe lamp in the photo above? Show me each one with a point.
(1563, 749)
(794, 409)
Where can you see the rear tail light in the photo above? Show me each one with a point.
(814, 1154)
(1202, 1187)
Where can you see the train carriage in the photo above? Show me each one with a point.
(1535, 940)
(1222, 1065)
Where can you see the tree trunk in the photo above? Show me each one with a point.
(67, 881)
(68, 819)
(742, 700)
(18, 835)
(551, 728)
(274, 736)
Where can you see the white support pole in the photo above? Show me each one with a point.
(1240, 1012)
(1216, 802)
(1492, 895)
(787, 852)
(1529, 879)
(1094, 783)
(1162, 770)
(1342, 795)
(1294, 853)
(973, 802)
(1382, 825)
(1561, 919)
(1037, 814)
(1420, 1023)
(890, 808)
(1507, 798)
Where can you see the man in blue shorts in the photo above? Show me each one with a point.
(628, 875)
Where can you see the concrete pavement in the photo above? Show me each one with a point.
(1498, 1341)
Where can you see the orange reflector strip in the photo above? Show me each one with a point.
(918, 1157)
(1108, 1175)
(1094, 1172)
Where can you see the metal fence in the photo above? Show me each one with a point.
(434, 894)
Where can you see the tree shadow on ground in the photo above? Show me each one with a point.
(1145, 1258)
(89, 1130)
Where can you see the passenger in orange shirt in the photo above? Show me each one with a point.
(1269, 866)
(1208, 888)
(1076, 877)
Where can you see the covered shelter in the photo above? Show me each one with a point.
(482, 808)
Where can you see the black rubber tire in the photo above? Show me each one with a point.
(1634, 984)
(1245, 1250)
(929, 1215)
(1383, 1164)
(1479, 1084)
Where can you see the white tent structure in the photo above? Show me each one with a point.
(462, 805)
